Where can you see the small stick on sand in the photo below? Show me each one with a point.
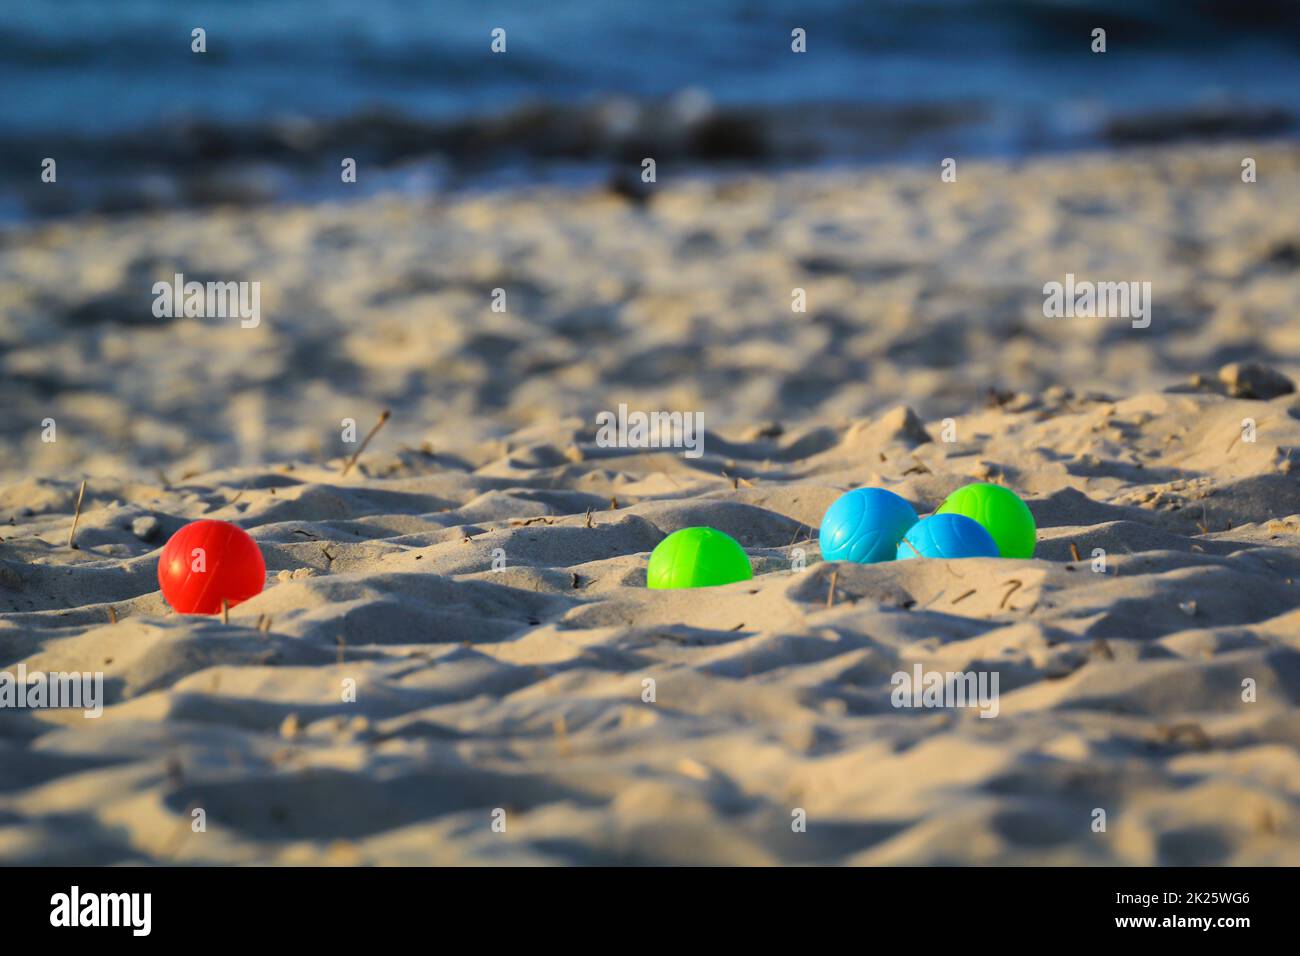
(265, 626)
(588, 518)
(112, 614)
(934, 600)
(383, 417)
(962, 597)
(830, 595)
(72, 535)
(1015, 586)
(225, 611)
(1074, 551)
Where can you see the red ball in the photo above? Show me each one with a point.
(207, 562)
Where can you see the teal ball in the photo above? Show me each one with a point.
(865, 526)
(947, 536)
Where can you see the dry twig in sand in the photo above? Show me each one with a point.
(72, 535)
(830, 595)
(383, 417)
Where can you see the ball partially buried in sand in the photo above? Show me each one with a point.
(697, 558)
(1002, 514)
(947, 536)
(865, 525)
(207, 562)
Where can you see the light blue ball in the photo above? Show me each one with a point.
(947, 536)
(865, 525)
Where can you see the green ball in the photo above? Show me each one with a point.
(1002, 514)
(697, 558)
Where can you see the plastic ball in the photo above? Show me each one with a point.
(207, 562)
(697, 558)
(1002, 514)
(947, 536)
(865, 525)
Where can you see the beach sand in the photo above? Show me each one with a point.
(518, 696)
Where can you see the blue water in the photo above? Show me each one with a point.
(111, 77)
(98, 65)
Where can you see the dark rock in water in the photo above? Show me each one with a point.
(1209, 122)
(727, 137)
(1251, 380)
(235, 184)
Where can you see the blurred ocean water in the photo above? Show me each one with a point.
(412, 88)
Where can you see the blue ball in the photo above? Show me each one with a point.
(865, 525)
(947, 536)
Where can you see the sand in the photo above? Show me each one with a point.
(500, 715)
